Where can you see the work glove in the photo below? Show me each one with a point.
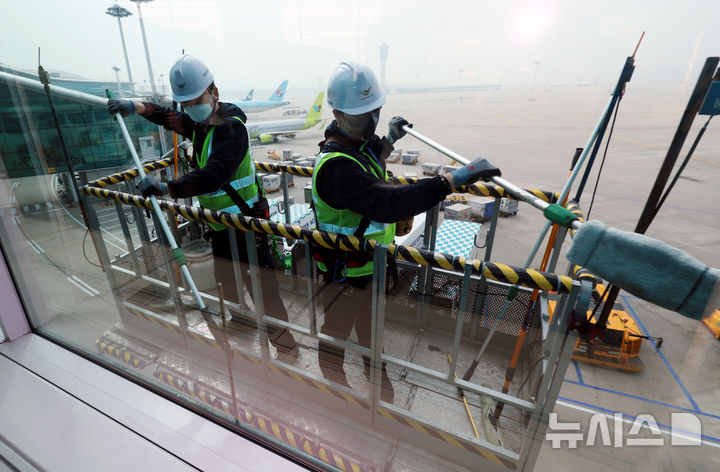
(480, 168)
(150, 186)
(396, 130)
(124, 107)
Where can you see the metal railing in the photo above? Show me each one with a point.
(547, 365)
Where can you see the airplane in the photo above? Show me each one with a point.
(268, 131)
(256, 106)
(249, 96)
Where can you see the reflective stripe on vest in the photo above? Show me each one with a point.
(346, 221)
(243, 181)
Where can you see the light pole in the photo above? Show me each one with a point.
(383, 59)
(119, 12)
(117, 80)
(147, 52)
(537, 63)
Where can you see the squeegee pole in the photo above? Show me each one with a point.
(449, 153)
(156, 207)
(508, 186)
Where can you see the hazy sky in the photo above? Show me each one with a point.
(259, 43)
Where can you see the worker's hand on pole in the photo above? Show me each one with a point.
(396, 130)
(150, 186)
(478, 169)
(124, 107)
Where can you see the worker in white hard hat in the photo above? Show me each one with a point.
(222, 178)
(351, 196)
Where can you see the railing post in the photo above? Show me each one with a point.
(311, 297)
(171, 218)
(426, 272)
(286, 199)
(237, 270)
(459, 322)
(560, 238)
(257, 292)
(172, 280)
(561, 349)
(148, 256)
(377, 325)
(128, 239)
(479, 307)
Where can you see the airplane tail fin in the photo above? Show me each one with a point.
(279, 92)
(249, 95)
(315, 111)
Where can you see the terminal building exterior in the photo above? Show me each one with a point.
(29, 139)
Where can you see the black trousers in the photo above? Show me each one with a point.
(225, 274)
(347, 304)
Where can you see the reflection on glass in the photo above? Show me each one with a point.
(97, 274)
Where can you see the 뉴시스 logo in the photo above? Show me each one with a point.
(685, 430)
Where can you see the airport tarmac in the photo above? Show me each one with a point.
(531, 136)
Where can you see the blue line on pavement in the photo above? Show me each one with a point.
(579, 374)
(637, 397)
(662, 356)
(625, 415)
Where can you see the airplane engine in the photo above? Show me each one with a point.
(266, 138)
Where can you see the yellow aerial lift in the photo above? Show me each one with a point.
(713, 323)
(618, 345)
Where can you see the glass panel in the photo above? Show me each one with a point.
(430, 364)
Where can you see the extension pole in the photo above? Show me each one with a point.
(617, 95)
(177, 253)
(175, 176)
(552, 211)
(467, 407)
(683, 129)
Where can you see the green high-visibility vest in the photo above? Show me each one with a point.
(347, 221)
(243, 181)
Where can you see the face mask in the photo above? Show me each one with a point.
(372, 125)
(363, 126)
(199, 113)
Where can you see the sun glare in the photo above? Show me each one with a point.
(531, 22)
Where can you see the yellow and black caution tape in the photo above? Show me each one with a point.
(480, 189)
(450, 439)
(152, 319)
(485, 190)
(580, 273)
(574, 208)
(499, 272)
(290, 169)
(124, 353)
(260, 421)
(352, 399)
(130, 174)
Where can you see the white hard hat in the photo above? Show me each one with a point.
(189, 78)
(354, 89)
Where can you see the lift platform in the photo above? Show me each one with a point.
(442, 304)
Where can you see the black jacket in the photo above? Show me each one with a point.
(343, 184)
(229, 147)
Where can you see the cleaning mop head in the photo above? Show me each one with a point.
(647, 268)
